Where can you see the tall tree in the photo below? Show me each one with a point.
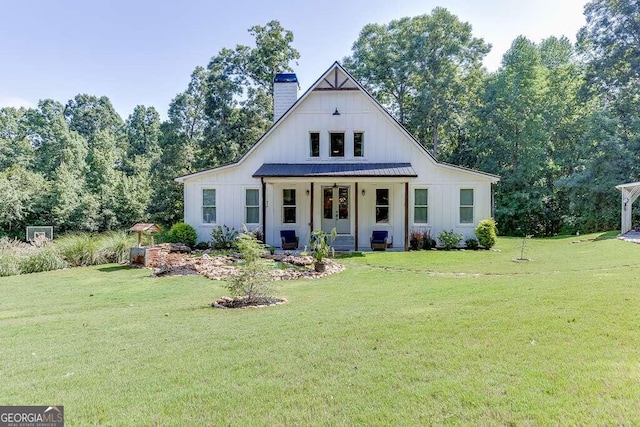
(23, 199)
(15, 148)
(420, 68)
(239, 93)
(182, 137)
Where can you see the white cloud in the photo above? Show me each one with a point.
(14, 101)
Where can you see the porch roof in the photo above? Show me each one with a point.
(335, 169)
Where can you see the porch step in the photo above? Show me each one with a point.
(344, 243)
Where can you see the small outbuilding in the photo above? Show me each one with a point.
(630, 193)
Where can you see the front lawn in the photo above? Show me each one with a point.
(413, 338)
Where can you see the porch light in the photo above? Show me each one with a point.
(363, 192)
(308, 192)
(336, 113)
(625, 201)
(335, 185)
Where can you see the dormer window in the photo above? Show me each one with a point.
(358, 144)
(337, 145)
(314, 144)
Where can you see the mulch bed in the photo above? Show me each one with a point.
(244, 302)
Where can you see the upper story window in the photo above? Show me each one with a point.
(314, 144)
(208, 205)
(358, 144)
(337, 145)
(466, 206)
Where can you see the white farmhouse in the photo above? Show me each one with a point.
(335, 158)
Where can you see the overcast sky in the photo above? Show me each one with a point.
(143, 52)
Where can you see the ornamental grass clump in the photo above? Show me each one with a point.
(116, 246)
(9, 263)
(46, 258)
(81, 249)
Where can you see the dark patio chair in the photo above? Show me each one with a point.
(289, 239)
(379, 240)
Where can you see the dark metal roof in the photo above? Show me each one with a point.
(285, 78)
(335, 169)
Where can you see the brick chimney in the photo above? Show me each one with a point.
(285, 93)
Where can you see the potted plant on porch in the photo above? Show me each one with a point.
(319, 243)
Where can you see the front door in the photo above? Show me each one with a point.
(335, 210)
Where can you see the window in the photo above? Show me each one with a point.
(358, 144)
(337, 145)
(314, 144)
(421, 206)
(382, 205)
(466, 206)
(208, 205)
(289, 206)
(252, 206)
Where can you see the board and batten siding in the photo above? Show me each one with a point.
(384, 142)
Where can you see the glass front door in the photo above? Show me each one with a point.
(335, 209)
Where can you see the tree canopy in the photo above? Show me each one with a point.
(559, 123)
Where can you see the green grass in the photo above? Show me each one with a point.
(457, 337)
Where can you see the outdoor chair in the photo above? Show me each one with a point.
(289, 239)
(379, 240)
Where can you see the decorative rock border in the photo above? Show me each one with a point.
(222, 267)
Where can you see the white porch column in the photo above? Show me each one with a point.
(630, 193)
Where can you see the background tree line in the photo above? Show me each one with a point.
(560, 123)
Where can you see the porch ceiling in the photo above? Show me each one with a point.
(335, 169)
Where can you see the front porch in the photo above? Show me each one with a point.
(353, 198)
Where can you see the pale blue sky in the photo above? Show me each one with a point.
(143, 52)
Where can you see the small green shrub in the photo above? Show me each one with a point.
(116, 246)
(427, 242)
(415, 239)
(45, 259)
(224, 237)
(253, 282)
(201, 246)
(472, 244)
(183, 233)
(449, 239)
(9, 263)
(487, 233)
(80, 249)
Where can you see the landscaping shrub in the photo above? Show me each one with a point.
(224, 237)
(427, 242)
(81, 249)
(487, 233)
(46, 258)
(415, 240)
(449, 240)
(183, 233)
(9, 263)
(472, 244)
(202, 246)
(116, 246)
(253, 282)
